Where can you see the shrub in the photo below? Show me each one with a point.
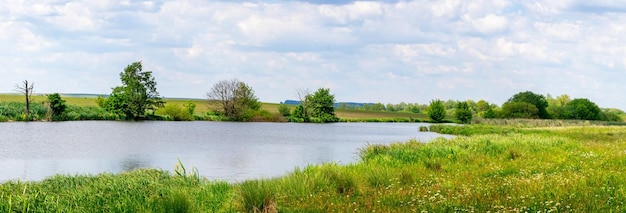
(177, 112)
(57, 106)
(284, 110)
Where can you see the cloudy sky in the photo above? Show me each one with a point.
(366, 51)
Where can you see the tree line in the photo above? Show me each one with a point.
(137, 99)
(526, 105)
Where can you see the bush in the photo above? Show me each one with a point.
(57, 106)
(176, 112)
(284, 110)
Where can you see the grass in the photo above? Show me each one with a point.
(493, 168)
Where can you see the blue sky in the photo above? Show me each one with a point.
(365, 51)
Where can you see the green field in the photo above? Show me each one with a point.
(492, 168)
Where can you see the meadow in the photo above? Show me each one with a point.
(485, 168)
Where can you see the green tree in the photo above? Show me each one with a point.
(582, 109)
(235, 98)
(437, 110)
(539, 101)
(136, 95)
(322, 105)
(519, 110)
(463, 113)
(57, 105)
(482, 106)
(555, 105)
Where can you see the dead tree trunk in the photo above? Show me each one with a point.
(27, 90)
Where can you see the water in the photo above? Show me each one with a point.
(219, 150)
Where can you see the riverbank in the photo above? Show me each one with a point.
(494, 168)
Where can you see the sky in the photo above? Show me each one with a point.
(388, 51)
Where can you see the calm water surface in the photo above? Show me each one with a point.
(219, 150)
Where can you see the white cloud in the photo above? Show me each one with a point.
(373, 51)
(490, 24)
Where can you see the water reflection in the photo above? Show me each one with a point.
(134, 162)
(219, 150)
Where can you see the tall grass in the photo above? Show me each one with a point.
(137, 191)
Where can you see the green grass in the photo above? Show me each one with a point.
(497, 169)
(138, 191)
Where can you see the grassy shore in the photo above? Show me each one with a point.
(491, 168)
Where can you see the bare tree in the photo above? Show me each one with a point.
(234, 98)
(303, 96)
(224, 93)
(27, 90)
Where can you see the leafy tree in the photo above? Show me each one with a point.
(482, 106)
(316, 107)
(463, 113)
(57, 105)
(490, 113)
(539, 101)
(519, 110)
(437, 110)
(582, 109)
(235, 98)
(555, 105)
(136, 95)
(322, 105)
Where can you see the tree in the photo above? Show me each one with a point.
(137, 94)
(322, 105)
(317, 107)
(539, 101)
(437, 110)
(555, 106)
(27, 90)
(235, 98)
(463, 113)
(582, 109)
(519, 110)
(57, 105)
